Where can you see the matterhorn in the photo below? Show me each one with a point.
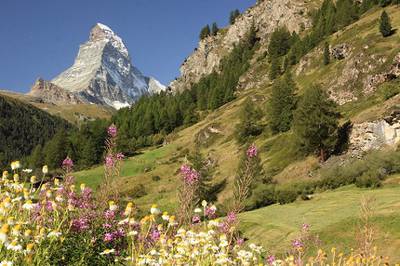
(102, 73)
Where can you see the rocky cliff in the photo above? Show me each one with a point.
(266, 16)
(101, 74)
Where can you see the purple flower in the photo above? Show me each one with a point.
(112, 131)
(80, 224)
(251, 151)
(109, 161)
(196, 219)
(120, 156)
(210, 212)
(107, 225)
(231, 218)
(240, 241)
(297, 244)
(109, 215)
(155, 235)
(67, 164)
(108, 237)
(305, 227)
(190, 175)
(271, 259)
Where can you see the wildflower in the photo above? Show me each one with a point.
(197, 210)
(112, 206)
(190, 175)
(45, 169)
(109, 215)
(297, 244)
(33, 179)
(67, 164)
(165, 216)
(120, 156)
(251, 151)
(6, 263)
(108, 237)
(28, 171)
(305, 227)
(196, 219)
(109, 161)
(16, 178)
(210, 211)
(3, 233)
(27, 233)
(14, 246)
(240, 241)
(107, 251)
(112, 131)
(271, 259)
(54, 234)
(5, 175)
(29, 248)
(28, 205)
(231, 218)
(204, 203)
(15, 165)
(128, 209)
(154, 210)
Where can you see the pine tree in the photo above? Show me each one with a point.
(327, 54)
(56, 150)
(233, 15)
(385, 26)
(249, 122)
(280, 42)
(281, 104)
(36, 158)
(205, 32)
(275, 69)
(214, 29)
(384, 3)
(316, 122)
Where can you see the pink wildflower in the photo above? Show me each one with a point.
(67, 164)
(112, 131)
(190, 175)
(251, 151)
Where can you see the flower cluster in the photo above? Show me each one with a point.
(189, 175)
(251, 151)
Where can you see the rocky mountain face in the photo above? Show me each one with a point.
(101, 74)
(266, 16)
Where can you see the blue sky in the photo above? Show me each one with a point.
(41, 38)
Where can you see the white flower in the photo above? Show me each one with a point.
(165, 216)
(15, 165)
(204, 203)
(6, 263)
(198, 210)
(45, 169)
(54, 234)
(112, 206)
(154, 210)
(107, 251)
(132, 233)
(3, 237)
(27, 171)
(14, 246)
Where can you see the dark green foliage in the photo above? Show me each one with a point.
(36, 159)
(316, 122)
(368, 180)
(281, 104)
(233, 15)
(214, 29)
(285, 196)
(249, 124)
(263, 195)
(275, 69)
(205, 32)
(384, 25)
(280, 42)
(137, 191)
(384, 3)
(156, 178)
(55, 150)
(327, 54)
(24, 127)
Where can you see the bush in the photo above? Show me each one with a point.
(287, 195)
(368, 180)
(263, 195)
(156, 178)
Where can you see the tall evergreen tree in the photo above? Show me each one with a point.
(275, 69)
(327, 54)
(214, 29)
(56, 150)
(233, 15)
(282, 104)
(316, 122)
(280, 42)
(35, 160)
(385, 26)
(205, 32)
(249, 125)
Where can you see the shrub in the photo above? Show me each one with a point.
(286, 195)
(156, 178)
(368, 180)
(138, 191)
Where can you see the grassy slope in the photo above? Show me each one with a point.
(333, 215)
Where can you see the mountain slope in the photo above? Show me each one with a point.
(101, 74)
(22, 127)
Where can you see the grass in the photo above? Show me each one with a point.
(333, 215)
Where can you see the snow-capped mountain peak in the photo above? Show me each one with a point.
(103, 73)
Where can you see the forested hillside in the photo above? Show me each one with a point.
(23, 127)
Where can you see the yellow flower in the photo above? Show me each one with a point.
(112, 205)
(83, 186)
(16, 177)
(15, 165)
(5, 228)
(33, 179)
(29, 247)
(57, 182)
(28, 233)
(5, 174)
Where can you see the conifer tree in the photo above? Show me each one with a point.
(384, 3)
(36, 158)
(385, 26)
(214, 29)
(249, 125)
(327, 54)
(233, 15)
(275, 69)
(55, 150)
(316, 122)
(205, 32)
(282, 104)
